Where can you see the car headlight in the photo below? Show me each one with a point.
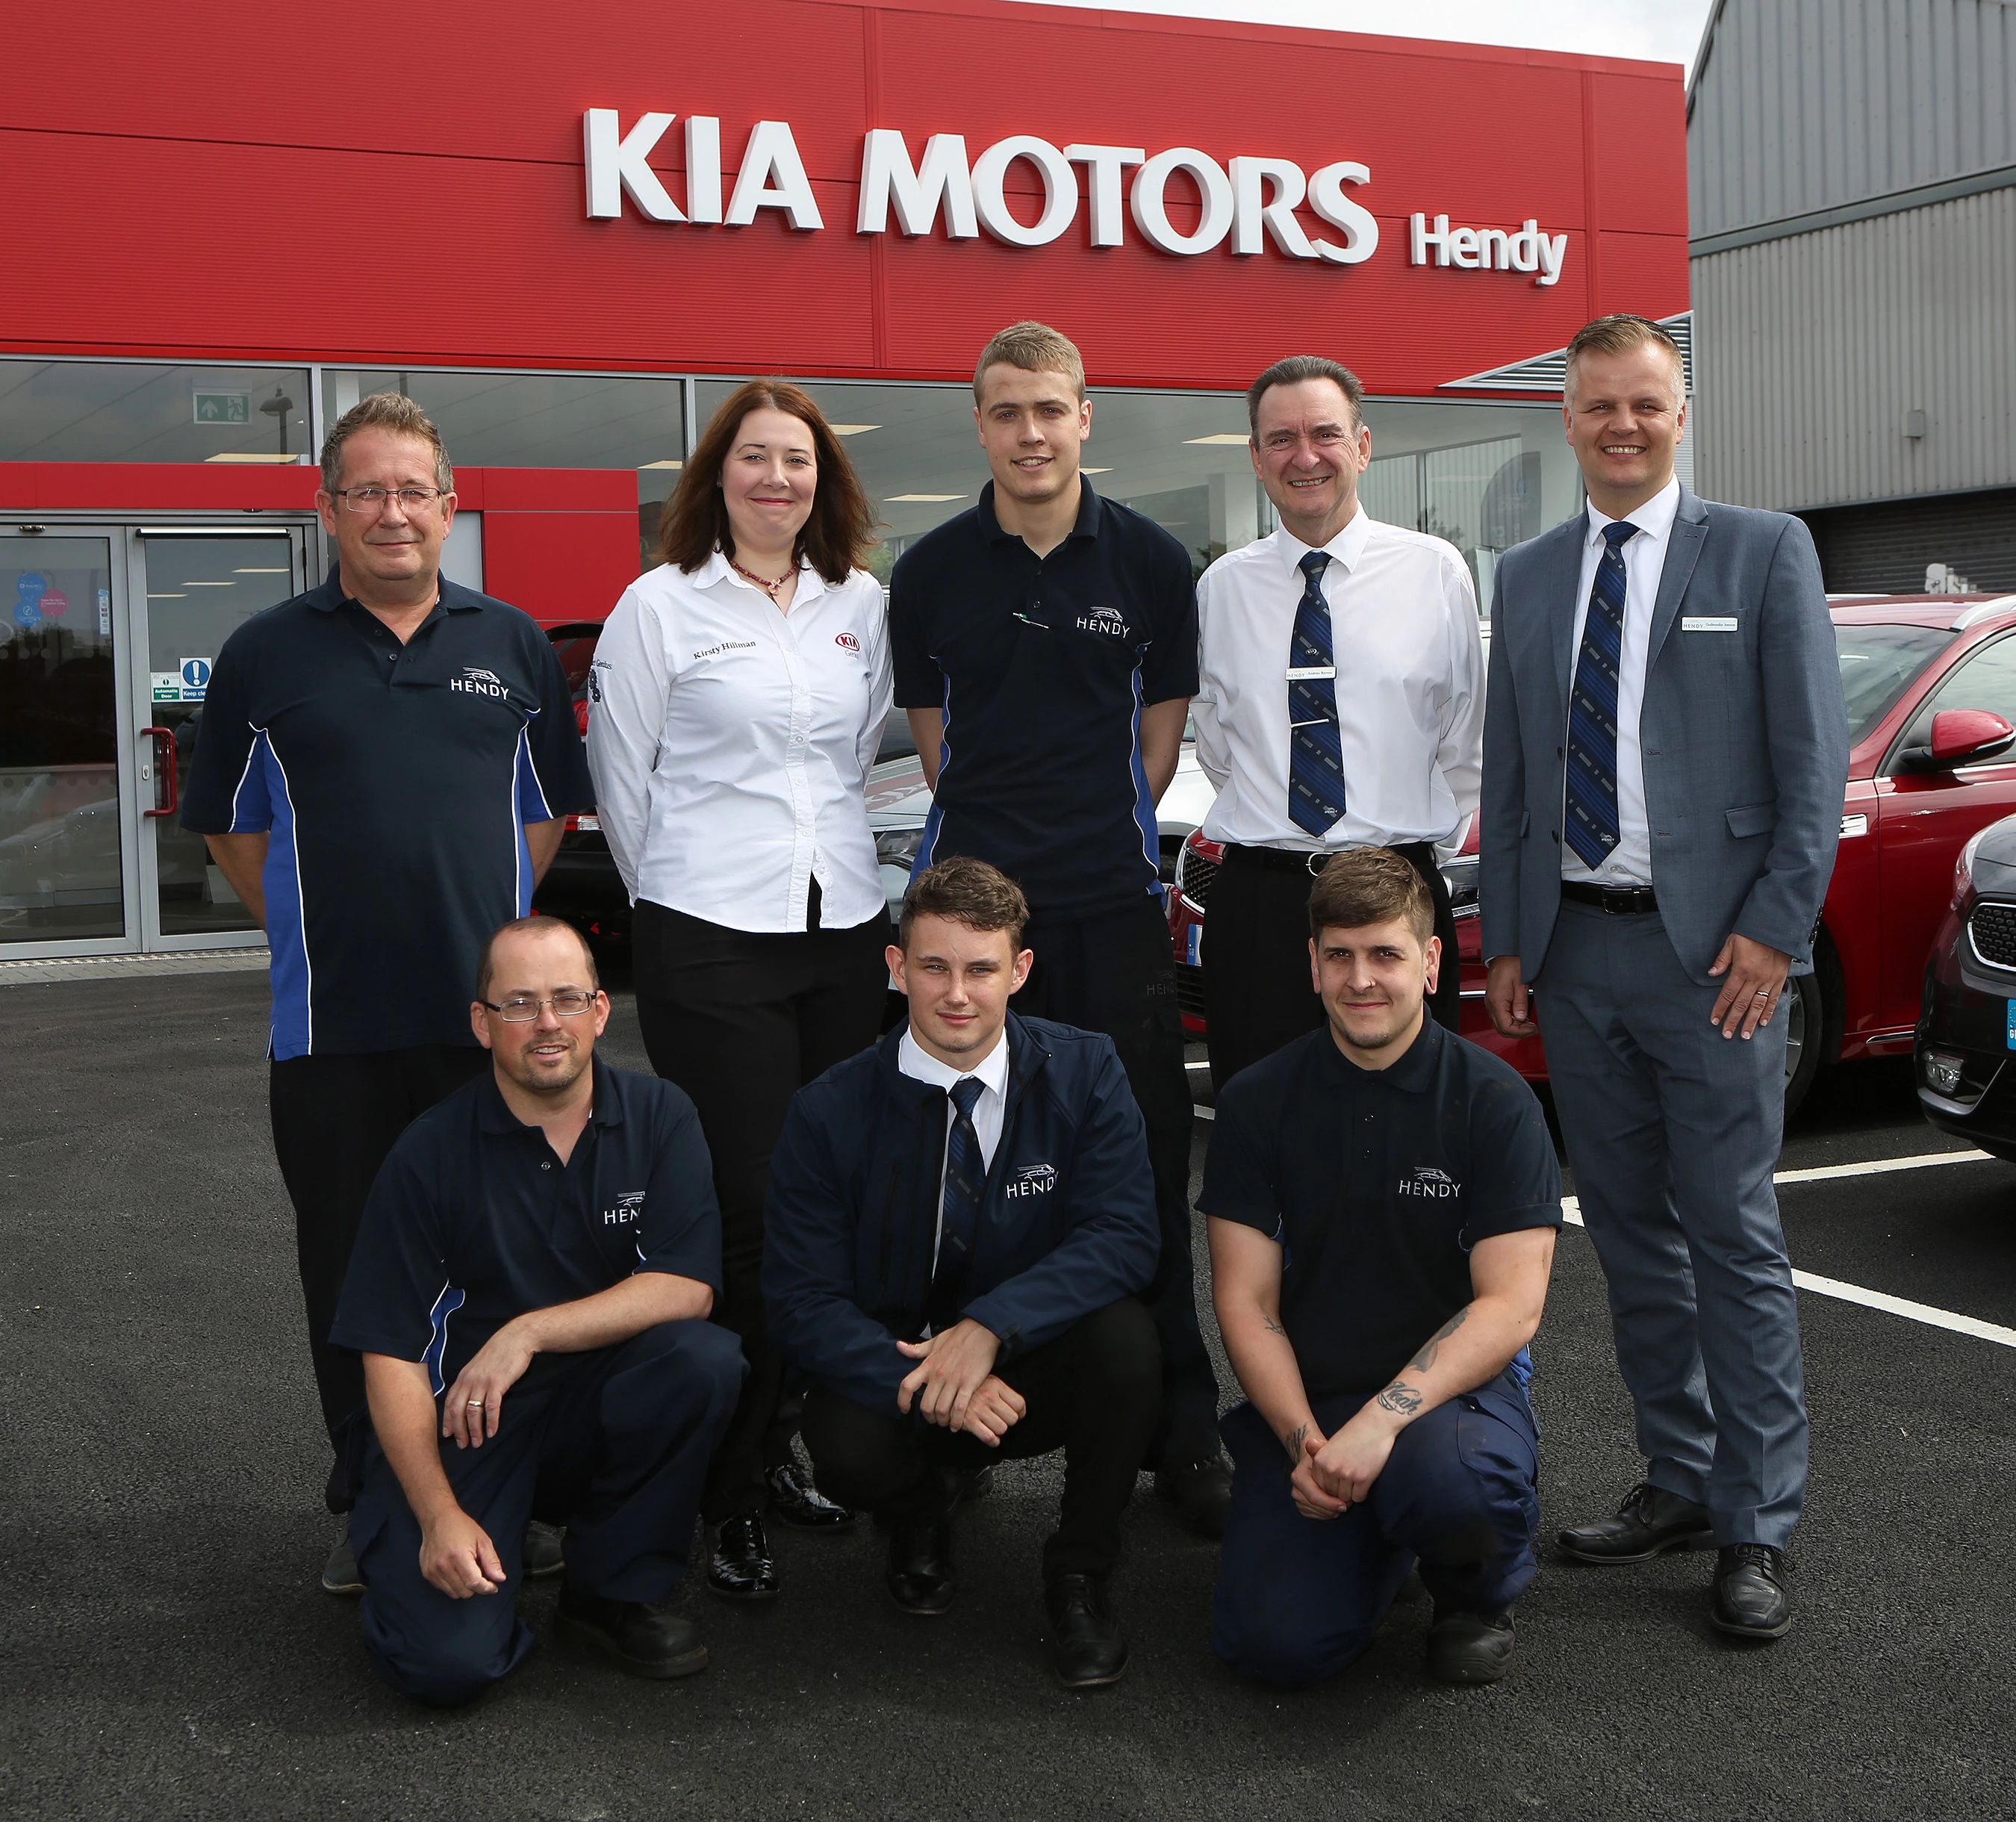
(898, 847)
(1963, 879)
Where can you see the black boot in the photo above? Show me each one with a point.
(741, 1568)
(920, 1577)
(648, 1639)
(1087, 1646)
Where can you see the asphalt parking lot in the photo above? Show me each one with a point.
(166, 1652)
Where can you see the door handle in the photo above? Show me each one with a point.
(164, 767)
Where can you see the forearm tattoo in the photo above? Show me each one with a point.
(1433, 1345)
(1399, 1397)
(1293, 1442)
(1271, 1326)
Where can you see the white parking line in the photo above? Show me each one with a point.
(1945, 1318)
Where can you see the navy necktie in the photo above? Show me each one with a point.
(1592, 826)
(1316, 749)
(965, 1180)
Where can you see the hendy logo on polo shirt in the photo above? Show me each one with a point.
(1427, 1181)
(1032, 1179)
(1106, 621)
(475, 683)
(629, 1206)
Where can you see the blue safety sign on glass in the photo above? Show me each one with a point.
(195, 678)
(29, 589)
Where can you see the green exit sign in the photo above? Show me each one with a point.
(224, 407)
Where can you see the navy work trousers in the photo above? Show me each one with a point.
(615, 1449)
(1298, 1599)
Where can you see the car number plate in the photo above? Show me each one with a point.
(2012, 1024)
(1193, 954)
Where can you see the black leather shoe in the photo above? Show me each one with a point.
(798, 1502)
(1470, 1647)
(1751, 1601)
(544, 1554)
(740, 1568)
(1087, 1646)
(1201, 1491)
(647, 1639)
(921, 1577)
(1651, 1521)
(339, 1573)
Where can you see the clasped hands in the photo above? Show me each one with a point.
(954, 1383)
(1331, 1474)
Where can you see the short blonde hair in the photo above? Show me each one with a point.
(384, 410)
(1619, 334)
(1035, 347)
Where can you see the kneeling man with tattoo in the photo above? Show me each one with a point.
(1383, 1200)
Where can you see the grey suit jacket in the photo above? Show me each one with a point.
(1743, 737)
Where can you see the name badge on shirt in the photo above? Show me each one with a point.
(1708, 623)
(1312, 673)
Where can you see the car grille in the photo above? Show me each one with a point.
(1194, 875)
(1993, 929)
(1189, 989)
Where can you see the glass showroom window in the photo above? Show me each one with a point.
(104, 411)
(543, 420)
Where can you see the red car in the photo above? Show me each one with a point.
(1930, 685)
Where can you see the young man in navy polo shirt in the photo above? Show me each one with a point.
(528, 1294)
(960, 1227)
(1045, 647)
(1383, 1200)
(385, 767)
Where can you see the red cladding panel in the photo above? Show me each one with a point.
(156, 221)
(560, 565)
(155, 486)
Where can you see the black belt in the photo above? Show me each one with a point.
(1618, 901)
(1297, 860)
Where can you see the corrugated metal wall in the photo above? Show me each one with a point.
(1809, 351)
(1809, 104)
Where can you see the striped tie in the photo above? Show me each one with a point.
(965, 1179)
(1316, 749)
(1592, 825)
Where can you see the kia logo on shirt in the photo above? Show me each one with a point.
(1033, 1179)
(846, 641)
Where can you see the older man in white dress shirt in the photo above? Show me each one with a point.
(1340, 705)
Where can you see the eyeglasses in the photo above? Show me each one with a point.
(372, 499)
(569, 1003)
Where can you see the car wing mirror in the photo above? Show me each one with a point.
(1960, 737)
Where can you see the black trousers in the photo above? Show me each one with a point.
(741, 1021)
(334, 1119)
(1116, 973)
(1091, 1392)
(1257, 991)
(614, 1448)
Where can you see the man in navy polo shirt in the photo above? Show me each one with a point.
(1383, 1200)
(1045, 647)
(960, 1227)
(384, 770)
(528, 1293)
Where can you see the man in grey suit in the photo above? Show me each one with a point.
(1665, 751)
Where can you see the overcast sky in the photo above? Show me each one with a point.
(1667, 31)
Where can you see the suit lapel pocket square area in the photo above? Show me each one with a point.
(1709, 623)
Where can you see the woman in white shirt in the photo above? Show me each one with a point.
(737, 699)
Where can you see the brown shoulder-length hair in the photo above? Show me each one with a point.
(835, 538)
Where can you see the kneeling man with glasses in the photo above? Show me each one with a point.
(529, 1292)
(1383, 1200)
(961, 1224)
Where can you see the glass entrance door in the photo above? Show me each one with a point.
(202, 583)
(65, 838)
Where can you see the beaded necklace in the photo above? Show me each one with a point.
(769, 588)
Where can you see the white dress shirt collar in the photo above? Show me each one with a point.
(719, 567)
(917, 1063)
(1654, 519)
(1346, 547)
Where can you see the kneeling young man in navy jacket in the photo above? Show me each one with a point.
(961, 1222)
(1383, 1200)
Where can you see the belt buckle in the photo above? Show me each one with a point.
(1316, 862)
